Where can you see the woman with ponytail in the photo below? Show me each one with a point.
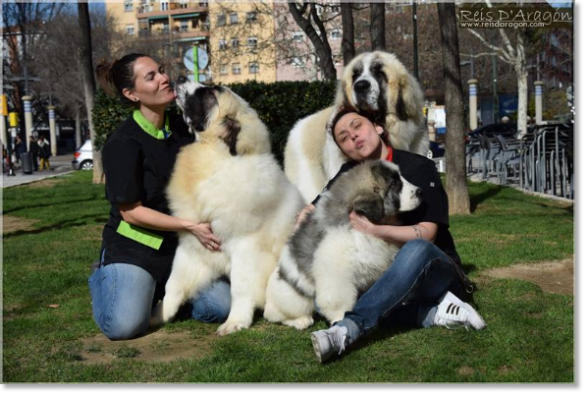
(139, 239)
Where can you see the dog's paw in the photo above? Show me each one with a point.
(230, 327)
(300, 323)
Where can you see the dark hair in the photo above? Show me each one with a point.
(118, 75)
(348, 110)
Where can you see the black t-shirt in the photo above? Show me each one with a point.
(422, 173)
(138, 167)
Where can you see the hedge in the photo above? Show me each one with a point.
(279, 105)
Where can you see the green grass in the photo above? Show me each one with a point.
(529, 337)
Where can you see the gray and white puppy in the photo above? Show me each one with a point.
(326, 261)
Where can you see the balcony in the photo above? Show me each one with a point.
(174, 9)
(189, 35)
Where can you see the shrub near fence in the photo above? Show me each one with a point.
(279, 105)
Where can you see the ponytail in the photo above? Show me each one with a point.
(118, 75)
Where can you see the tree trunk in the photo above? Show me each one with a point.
(521, 71)
(348, 51)
(377, 26)
(89, 82)
(319, 41)
(78, 127)
(456, 180)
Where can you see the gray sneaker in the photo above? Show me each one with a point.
(452, 312)
(328, 342)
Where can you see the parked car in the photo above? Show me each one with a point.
(83, 157)
(436, 150)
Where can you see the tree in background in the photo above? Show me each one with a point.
(348, 49)
(377, 26)
(89, 82)
(23, 32)
(307, 18)
(456, 180)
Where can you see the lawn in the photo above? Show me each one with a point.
(52, 235)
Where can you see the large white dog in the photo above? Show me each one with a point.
(376, 83)
(327, 262)
(230, 179)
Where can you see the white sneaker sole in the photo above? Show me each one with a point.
(474, 318)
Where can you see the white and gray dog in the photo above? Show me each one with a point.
(326, 261)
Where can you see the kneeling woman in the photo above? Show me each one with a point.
(420, 288)
(139, 239)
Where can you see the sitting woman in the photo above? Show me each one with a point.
(420, 288)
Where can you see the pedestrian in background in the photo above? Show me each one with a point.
(19, 148)
(44, 153)
(34, 150)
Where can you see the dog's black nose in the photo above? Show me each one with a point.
(418, 192)
(362, 86)
(181, 80)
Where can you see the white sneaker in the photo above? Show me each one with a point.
(328, 342)
(453, 312)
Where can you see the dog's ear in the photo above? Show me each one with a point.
(233, 128)
(369, 205)
(410, 99)
(382, 174)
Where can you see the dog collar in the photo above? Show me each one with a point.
(151, 129)
(389, 154)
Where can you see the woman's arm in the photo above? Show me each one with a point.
(139, 215)
(303, 213)
(397, 235)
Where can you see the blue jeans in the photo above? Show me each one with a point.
(122, 298)
(407, 293)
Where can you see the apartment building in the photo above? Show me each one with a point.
(296, 58)
(242, 41)
(176, 25)
(237, 36)
(245, 40)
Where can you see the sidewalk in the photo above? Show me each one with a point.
(60, 165)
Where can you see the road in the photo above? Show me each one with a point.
(60, 165)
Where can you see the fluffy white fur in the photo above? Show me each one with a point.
(311, 155)
(248, 201)
(345, 262)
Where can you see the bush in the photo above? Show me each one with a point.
(279, 105)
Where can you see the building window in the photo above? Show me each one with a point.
(224, 69)
(184, 25)
(335, 35)
(233, 18)
(253, 68)
(203, 3)
(128, 7)
(234, 43)
(164, 5)
(298, 36)
(251, 16)
(221, 21)
(130, 30)
(222, 45)
(252, 42)
(183, 3)
(235, 68)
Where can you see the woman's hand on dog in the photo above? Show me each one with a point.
(303, 214)
(205, 235)
(362, 223)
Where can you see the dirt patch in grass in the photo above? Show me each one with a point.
(556, 277)
(14, 224)
(160, 346)
(92, 232)
(46, 183)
